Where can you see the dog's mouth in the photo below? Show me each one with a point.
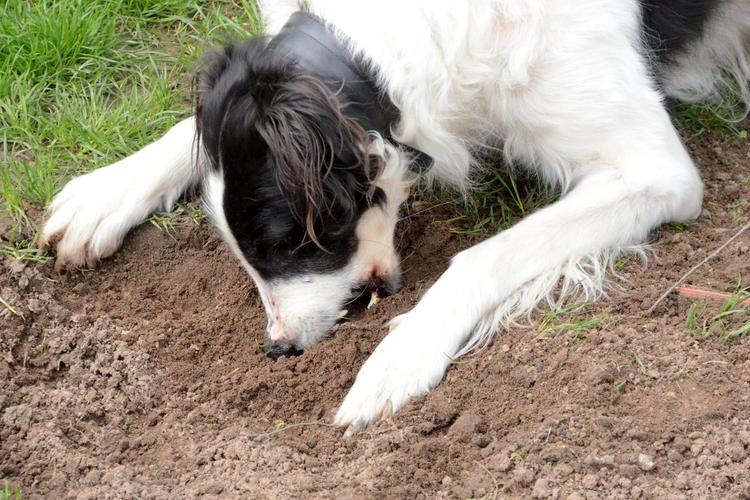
(364, 298)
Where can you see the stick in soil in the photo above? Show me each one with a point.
(263, 435)
(699, 293)
(697, 266)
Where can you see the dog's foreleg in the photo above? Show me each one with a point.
(612, 205)
(89, 218)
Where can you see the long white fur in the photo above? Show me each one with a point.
(566, 91)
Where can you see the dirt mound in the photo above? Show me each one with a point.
(144, 378)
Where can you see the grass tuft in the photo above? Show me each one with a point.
(500, 199)
(84, 83)
(573, 319)
(9, 492)
(696, 121)
(730, 322)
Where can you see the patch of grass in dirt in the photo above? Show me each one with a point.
(680, 226)
(738, 211)
(182, 212)
(638, 362)
(500, 199)
(617, 387)
(696, 121)
(729, 322)
(9, 492)
(84, 83)
(575, 319)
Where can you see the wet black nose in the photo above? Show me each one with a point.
(275, 350)
(380, 286)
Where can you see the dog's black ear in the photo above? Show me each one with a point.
(221, 89)
(321, 155)
(256, 108)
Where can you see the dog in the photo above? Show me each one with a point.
(306, 142)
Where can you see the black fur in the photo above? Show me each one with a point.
(296, 174)
(670, 25)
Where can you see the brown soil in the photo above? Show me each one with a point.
(144, 379)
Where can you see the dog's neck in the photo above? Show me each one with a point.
(314, 48)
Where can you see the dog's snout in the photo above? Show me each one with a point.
(275, 350)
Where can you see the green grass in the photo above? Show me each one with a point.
(9, 492)
(84, 83)
(167, 222)
(698, 121)
(680, 226)
(730, 322)
(500, 199)
(575, 319)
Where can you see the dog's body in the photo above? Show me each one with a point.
(575, 94)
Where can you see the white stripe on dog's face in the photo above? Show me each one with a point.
(303, 308)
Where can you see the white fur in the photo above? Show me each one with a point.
(564, 90)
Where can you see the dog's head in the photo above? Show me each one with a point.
(305, 197)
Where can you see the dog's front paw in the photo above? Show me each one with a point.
(404, 365)
(89, 218)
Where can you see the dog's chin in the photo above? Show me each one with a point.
(323, 324)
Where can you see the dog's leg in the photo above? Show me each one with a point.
(89, 218)
(617, 198)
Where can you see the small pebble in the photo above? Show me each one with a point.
(736, 452)
(629, 471)
(645, 462)
(466, 426)
(542, 489)
(590, 481)
(600, 461)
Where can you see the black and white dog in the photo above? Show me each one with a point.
(309, 140)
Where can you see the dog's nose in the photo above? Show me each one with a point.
(275, 350)
(380, 286)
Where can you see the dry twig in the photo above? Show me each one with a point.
(697, 266)
(699, 293)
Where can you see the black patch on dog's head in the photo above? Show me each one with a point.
(296, 172)
(671, 25)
